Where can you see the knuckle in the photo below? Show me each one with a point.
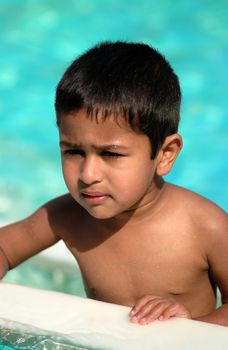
(148, 297)
(172, 300)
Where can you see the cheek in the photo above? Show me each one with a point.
(134, 184)
(69, 174)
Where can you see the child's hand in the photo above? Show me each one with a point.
(150, 308)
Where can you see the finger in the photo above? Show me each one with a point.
(155, 312)
(140, 304)
(175, 310)
(150, 309)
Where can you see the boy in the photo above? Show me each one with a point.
(138, 241)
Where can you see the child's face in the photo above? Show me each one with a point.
(107, 166)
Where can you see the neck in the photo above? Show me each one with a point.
(147, 207)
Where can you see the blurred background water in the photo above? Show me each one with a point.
(40, 38)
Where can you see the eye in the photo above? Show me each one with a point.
(111, 154)
(73, 152)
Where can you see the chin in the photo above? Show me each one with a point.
(100, 214)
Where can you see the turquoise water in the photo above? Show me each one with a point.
(13, 340)
(45, 274)
(40, 272)
(39, 38)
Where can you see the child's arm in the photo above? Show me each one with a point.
(25, 238)
(215, 231)
(150, 308)
(218, 262)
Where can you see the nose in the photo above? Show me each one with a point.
(90, 170)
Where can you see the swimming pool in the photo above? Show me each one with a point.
(15, 340)
(40, 38)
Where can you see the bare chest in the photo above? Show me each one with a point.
(123, 270)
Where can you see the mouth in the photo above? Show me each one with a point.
(94, 197)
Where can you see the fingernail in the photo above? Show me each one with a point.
(134, 319)
(143, 320)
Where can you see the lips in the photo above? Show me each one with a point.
(92, 194)
(94, 197)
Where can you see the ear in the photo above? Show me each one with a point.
(168, 154)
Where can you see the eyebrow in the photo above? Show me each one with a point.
(100, 147)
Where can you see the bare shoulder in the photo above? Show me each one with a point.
(43, 228)
(62, 212)
(207, 216)
(62, 206)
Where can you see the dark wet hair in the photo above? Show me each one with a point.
(129, 79)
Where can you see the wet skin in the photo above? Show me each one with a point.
(139, 241)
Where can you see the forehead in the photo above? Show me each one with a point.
(80, 125)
